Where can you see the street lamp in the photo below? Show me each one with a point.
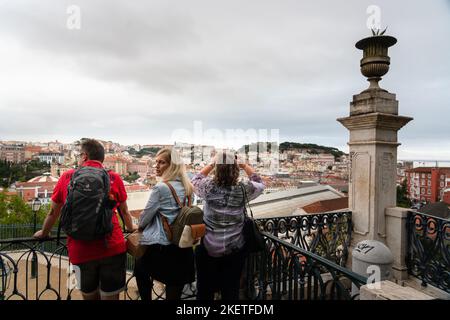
(35, 206)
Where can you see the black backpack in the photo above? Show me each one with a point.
(87, 212)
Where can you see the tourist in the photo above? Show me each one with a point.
(100, 262)
(221, 255)
(163, 261)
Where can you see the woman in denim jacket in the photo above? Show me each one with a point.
(162, 260)
(221, 256)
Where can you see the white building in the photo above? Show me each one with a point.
(50, 157)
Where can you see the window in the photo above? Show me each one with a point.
(422, 183)
(429, 176)
(423, 175)
(441, 184)
(429, 183)
(429, 191)
(442, 177)
(422, 191)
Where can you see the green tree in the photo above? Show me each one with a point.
(402, 195)
(132, 177)
(13, 172)
(14, 210)
(146, 151)
(312, 148)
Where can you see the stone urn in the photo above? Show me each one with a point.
(375, 61)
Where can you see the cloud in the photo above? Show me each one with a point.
(138, 70)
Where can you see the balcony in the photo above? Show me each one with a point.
(304, 259)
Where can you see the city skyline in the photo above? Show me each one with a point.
(135, 73)
(426, 162)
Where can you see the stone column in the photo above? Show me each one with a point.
(373, 124)
(397, 241)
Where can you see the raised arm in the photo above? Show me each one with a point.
(255, 186)
(207, 169)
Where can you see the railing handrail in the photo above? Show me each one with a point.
(30, 239)
(303, 215)
(318, 258)
(428, 215)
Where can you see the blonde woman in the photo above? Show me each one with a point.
(162, 260)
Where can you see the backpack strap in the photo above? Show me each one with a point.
(189, 203)
(69, 194)
(165, 222)
(174, 194)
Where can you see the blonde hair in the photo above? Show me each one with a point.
(176, 169)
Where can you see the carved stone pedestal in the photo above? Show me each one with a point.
(373, 151)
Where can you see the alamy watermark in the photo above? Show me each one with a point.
(74, 277)
(259, 147)
(373, 281)
(74, 19)
(374, 20)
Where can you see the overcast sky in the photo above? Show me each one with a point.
(140, 71)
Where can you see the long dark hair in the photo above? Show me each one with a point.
(226, 170)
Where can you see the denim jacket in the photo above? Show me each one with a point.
(160, 202)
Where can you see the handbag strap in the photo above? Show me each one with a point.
(246, 202)
(166, 227)
(174, 193)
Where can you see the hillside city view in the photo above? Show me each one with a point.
(295, 165)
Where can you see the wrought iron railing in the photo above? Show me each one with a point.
(326, 234)
(287, 272)
(304, 259)
(428, 256)
(14, 231)
(33, 269)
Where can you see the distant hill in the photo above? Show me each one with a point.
(309, 147)
(144, 151)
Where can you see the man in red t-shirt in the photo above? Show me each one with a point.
(101, 265)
